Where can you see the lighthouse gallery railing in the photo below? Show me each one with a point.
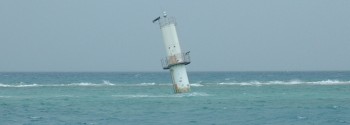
(181, 58)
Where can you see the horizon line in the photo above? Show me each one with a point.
(167, 71)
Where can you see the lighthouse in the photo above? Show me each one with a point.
(176, 60)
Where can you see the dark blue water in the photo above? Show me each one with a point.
(247, 98)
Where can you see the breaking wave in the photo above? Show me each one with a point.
(201, 84)
(192, 94)
(293, 82)
(82, 84)
(104, 83)
(196, 85)
(20, 85)
(147, 84)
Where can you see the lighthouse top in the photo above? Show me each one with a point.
(165, 20)
(164, 14)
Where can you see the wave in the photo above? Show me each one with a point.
(292, 82)
(147, 84)
(201, 84)
(20, 85)
(82, 84)
(196, 85)
(105, 83)
(330, 82)
(191, 94)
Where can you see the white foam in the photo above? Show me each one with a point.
(4, 85)
(105, 82)
(165, 84)
(249, 83)
(192, 94)
(330, 82)
(147, 84)
(28, 85)
(83, 84)
(292, 82)
(20, 85)
(196, 85)
(144, 96)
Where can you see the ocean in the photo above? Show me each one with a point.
(147, 98)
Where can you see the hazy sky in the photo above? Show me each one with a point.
(222, 35)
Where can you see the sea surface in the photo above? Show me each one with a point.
(147, 98)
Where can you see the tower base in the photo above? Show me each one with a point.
(180, 79)
(178, 89)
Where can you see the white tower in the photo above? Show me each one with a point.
(176, 59)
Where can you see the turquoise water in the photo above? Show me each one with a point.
(216, 98)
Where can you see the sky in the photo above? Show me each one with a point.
(222, 35)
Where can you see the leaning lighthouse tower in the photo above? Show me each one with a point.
(176, 59)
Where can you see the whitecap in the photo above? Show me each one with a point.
(233, 83)
(4, 85)
(83, 84)
(291, 82)
(192, 94)
(196, 85)
(330, 82)
(28, 85)
(143, 96)
(105, 82)
(147, 84)
(20, 85)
